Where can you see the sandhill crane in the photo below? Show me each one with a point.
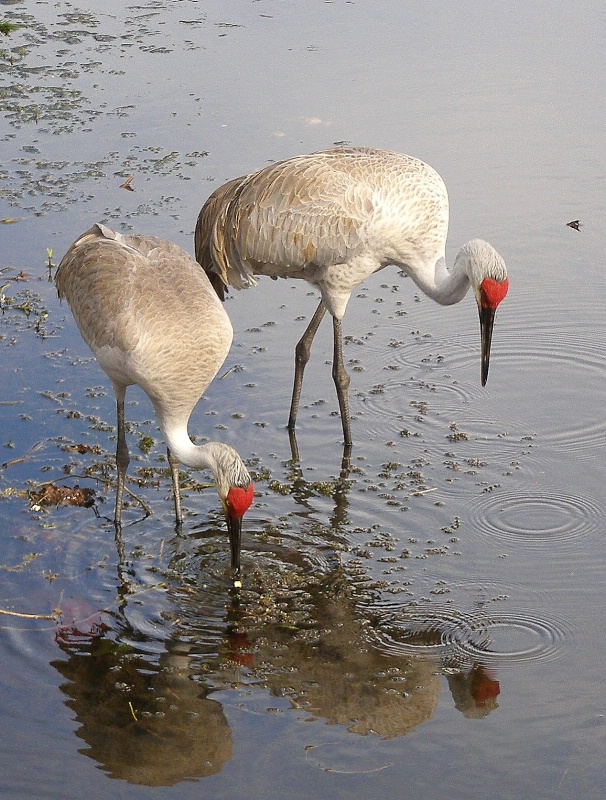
(151, 318)
(334, 218)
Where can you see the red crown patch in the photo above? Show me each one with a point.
(493, 292)
(239, 499)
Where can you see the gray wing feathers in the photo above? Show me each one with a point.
(209, 240)
(139, 282)
(301, 214)
(313, 211)
(278, 221)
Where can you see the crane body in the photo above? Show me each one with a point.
(151, 318)
(333, 218)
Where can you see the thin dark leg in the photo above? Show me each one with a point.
(341, 379)
(122, 461)
(294, 446)
(302, 352)
(346, 461)
(174, 470)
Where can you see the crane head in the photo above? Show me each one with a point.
(490, 294)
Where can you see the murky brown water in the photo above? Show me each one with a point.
(426, 624)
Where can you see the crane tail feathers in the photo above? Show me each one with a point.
(214, 251)
(218, 285)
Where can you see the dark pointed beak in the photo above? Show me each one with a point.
(234, 528)
(486, 323)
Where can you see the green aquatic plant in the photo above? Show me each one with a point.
(7, 27)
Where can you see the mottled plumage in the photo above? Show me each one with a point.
(333, 218)
(151, 318)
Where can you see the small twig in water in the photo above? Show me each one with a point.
(146, 508)
(21, 459)
(21, 615)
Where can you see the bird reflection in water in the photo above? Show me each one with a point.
(474, 691)
(150, 718)
(143, 720)
(301, 629)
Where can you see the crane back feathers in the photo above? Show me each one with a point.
(331, 218)
(169, 332)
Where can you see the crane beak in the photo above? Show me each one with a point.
(486, 323)
(236, 503)
(234, 528)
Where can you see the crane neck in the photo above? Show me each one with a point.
(445, 286)
(474, 263)
(195, 456)
(223, 461)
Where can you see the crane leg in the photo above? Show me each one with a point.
(302, 352)
(341, 379)
(174, 471)
(122, 461)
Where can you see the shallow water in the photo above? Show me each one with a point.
(426, 623)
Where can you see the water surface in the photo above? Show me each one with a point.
(427, 623)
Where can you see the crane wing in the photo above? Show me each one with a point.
(141, 283)
(285, 220)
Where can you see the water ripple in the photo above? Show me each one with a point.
(410, 631)
(423, 389)
(536, 518)
(557, 364)
(456, 637)
(511, 637)
(405, 399)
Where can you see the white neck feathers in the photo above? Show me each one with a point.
(475, 261)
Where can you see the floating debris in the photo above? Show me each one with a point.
(83, 449)
(51, 495)
(576, 224)
(127, 184)
(7, 27)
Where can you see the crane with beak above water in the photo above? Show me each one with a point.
(333, 218)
